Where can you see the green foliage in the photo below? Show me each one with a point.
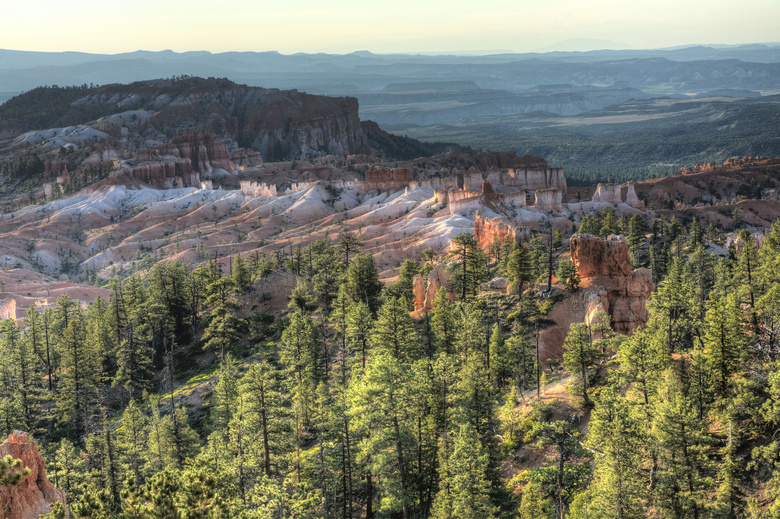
(469, 267)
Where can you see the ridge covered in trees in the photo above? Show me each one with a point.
(347, 407)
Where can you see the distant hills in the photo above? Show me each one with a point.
(501, 100)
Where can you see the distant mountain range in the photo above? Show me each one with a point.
(496, 100)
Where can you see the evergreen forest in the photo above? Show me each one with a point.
(175, 398)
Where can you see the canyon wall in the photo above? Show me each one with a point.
(604, 268)
(201, 149)
(295, 125)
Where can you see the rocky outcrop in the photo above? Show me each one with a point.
(290, 124)
(488, 230)
(604, 268)
(256, 189)
(201, 149)
(243, 158)
(418, 289)
(618, 194)
(631, 198)
(165, 175)
(437, 278)
(32, 497)
(549, 200)
(609, 193)
(8, 309)
(500, 285)
(386, 179)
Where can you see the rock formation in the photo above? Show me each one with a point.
(487, 230)
(604, 267)
(8, 309)
(618, 194)
(256, 189)
(201, 149)
(631, 198)
(549, 200)
(386, 179)
(418, 288)
(243, 158)
(437, 278)
(292, 124)
(30, 498)
(165, 175)
(609, 193)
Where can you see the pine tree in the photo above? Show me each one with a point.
(672, 311)
(132, 439)
(469, 268)
(723, 339)
(241, 275)
(590, 225)
(683, 452)
(12, 471)
(359, 329)
(134, 369)
(443, 321)
(78, 377)
(747, 277)
(464, 488)
(615, 434)
(580, 355)
(520, 267)
(262, 395)
(562, 479)
(347, 245)
(403, 288)
(381, 407)
(363, 281)
(608, 223)
(567, 272)
(499, 358)
(22, 375)
(394, 332)
(299, 352)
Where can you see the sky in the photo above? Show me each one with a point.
(380, 26)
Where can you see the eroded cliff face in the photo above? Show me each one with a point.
(32, 497)
(387, 179)
(295, 125)
(202, 150)
(488, 230)
(604, 267)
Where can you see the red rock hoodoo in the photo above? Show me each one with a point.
(487, 230)
(605, 266)
(30, 498)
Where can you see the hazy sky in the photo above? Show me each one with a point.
(339, 26)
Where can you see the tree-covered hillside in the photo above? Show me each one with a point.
(175, 397)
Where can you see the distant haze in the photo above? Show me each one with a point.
(401, 26)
